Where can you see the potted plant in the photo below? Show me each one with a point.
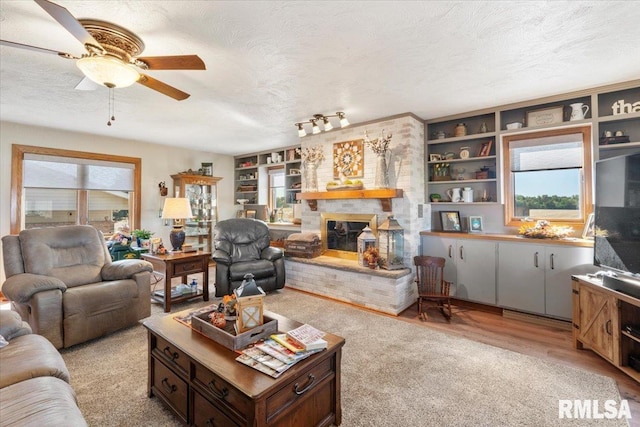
(435, 197)
(142, 237)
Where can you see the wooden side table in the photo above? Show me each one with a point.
(180, 264)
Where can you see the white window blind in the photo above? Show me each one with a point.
(42, 171)
(555, 152)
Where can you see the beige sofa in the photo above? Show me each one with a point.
(61, 280)
(34, 380)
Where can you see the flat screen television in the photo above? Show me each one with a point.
(617, 217)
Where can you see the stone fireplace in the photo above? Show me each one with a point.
(339, 276)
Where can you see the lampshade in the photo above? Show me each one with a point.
(108, 71)
(176, 208)
(315, 129)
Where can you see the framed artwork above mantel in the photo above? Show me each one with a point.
(348, 159)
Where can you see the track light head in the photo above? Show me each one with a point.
(315, 129)
(301, 131)
(343, 120)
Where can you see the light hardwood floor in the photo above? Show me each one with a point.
(546, 342)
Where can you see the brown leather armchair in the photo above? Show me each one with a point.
(242, 246)
(61, 280)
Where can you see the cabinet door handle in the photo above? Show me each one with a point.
(535, 259)
(607, 326)
(450, 254)
(461, 248)
(173, 356)
(552, 265)
(170, 388)
(296, 386)
(219, 394)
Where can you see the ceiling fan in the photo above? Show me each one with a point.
(112, 53)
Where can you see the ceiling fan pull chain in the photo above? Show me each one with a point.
(112, 101)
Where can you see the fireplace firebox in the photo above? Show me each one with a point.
(339, 233)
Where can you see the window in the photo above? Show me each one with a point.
(548, 176)
(61, 187)
(277, 198)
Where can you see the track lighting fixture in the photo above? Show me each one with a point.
(326, 124)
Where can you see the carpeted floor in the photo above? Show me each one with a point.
(393, 374)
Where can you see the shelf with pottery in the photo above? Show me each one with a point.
(462, 150)
(383, 194)
(251, 173)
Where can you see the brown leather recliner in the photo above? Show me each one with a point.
(242, 246)
(63, 283)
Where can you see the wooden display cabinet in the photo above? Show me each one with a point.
(600, 316)
(202, 192)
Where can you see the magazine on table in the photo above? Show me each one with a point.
(307, 337)
(282, 353)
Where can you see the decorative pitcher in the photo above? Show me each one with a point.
(454, 195)
(467, 195)
(578, 111)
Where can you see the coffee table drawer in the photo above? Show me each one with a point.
(171, 387)
(218, 390)
(305, 384)
(172, 356)
(208, 415)
(187, 267)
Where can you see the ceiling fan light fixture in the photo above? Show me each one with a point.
(108, 71)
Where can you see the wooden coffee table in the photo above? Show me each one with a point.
(180, 264)
(202, 383)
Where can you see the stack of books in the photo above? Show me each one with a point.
(280, 352)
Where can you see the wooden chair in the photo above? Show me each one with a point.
(432, 286)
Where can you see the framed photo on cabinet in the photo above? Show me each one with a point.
(450, 221)
(475, 224)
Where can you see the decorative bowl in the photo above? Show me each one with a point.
(514, 125)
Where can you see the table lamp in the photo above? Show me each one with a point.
(178, 209)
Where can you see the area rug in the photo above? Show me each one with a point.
(393, 374)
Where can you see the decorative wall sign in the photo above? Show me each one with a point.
(348, 159)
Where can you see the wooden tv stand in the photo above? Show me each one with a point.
(599, 316)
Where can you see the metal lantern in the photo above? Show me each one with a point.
(391, 245)
(366, 239)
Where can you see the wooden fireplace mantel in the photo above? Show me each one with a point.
(384, 195)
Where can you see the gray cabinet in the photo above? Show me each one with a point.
(536, 278)
(470, 266)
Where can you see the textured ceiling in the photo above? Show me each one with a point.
(272, 63)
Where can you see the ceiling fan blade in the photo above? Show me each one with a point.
(179, 62)
(70, 23)
(163, 88)
(37, 49)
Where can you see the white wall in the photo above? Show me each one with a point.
(159, 162)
